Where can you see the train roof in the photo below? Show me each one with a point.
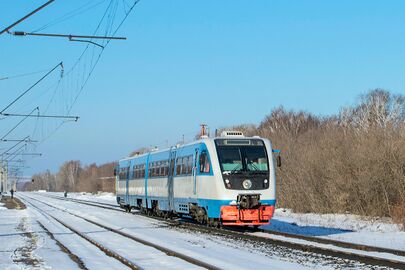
(225, 134)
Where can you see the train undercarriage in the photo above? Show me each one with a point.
(247, 211)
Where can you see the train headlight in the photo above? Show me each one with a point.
(247, 184)
(227, 181)
(266, 181)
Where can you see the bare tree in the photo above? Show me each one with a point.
(376, 109)
(69, 174)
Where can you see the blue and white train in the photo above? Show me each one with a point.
(227, 180)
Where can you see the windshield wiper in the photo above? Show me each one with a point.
(256, 169)
(236, 169)
(253, 166)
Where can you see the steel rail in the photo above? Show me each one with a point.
(106, 250)
(368, 259)
(165, 250)
(64, 248)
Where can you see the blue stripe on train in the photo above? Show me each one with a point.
(212, 206)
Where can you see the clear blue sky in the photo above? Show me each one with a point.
(217, 62)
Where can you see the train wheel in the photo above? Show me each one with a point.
(214, 223)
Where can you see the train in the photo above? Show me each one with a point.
(228, 180)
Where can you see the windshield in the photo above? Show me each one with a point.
(237, 158)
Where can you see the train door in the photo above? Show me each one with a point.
(127, 183)
(195, 171)
(172, 159)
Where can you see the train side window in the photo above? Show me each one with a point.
(156, 168)
(150, 170)
(204, 162)
(161, 169)
(183, 167)
(187, 164)
(190, 164)
(178, 166)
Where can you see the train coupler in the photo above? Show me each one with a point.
(233, 215)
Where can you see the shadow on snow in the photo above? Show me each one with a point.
(282, 226)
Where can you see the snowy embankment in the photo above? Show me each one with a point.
(102, 197)
(343, 227)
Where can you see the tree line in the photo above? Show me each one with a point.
(74, 177)
(350, 162)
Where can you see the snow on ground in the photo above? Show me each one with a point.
(194, 245)
(225, 253)
(22, 237)
(24, 245)
(103, 197)
(342, 227)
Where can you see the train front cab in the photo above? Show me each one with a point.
(247, 172)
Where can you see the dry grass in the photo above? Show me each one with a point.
(14, 203)
(352, 163)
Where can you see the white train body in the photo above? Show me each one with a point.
(229, 179)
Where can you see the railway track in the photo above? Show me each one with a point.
(104, 249)
(167, 251)
(366, 254)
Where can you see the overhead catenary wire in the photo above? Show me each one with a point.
(14, 153)
(22, 75)
(25, 17)
(9, 158)
(65, 96)
(93, 63)
(99, 56)
(69, 15)
(69, 36)
(15, 145)
(19, 123)
(14, 140)
(43, 116)
(28, 154)
(32, 86)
